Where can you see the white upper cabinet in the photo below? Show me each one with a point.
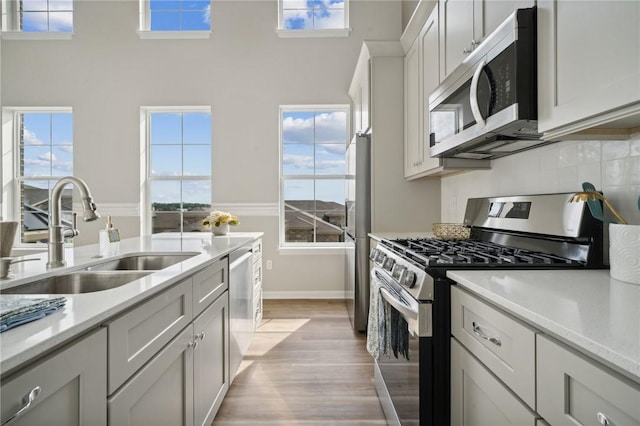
(465, 23)
(588, 67)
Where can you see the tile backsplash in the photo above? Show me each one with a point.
(612, 166)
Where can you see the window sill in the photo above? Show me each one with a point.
(175, 35)
(19, 35)
(311, 251)
(336, 32)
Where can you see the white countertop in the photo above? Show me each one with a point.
(83, 312)
(585, 309)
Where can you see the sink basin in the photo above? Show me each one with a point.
(142, 262)
(78, 282)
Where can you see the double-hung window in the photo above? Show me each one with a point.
(40, 141)
(175, 18)
(313, 140)
(37, 16)
(311, 18)
(177, 160)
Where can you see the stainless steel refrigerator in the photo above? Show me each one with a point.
(357, 228)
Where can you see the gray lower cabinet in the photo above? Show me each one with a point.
(210, 360)
(72, 385)
(169, 365)
(574, 390)
(478, 398)
(161, 393)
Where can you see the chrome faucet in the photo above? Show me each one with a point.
(56, 231)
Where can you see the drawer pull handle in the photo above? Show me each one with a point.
(200, 336)
(479, 333)
(603, 420)
(29, 400)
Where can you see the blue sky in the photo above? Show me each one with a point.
(313, 14)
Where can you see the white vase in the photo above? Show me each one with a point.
(624, 252)
(223, 229)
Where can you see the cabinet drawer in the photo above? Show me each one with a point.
(256, 248)
(140, 333)
(478, 398)
(574, 390)
(210, 283)
(503, 344)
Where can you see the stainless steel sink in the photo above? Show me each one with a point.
(142, 262)
(78, 282)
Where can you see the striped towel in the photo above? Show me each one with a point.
(16, 310)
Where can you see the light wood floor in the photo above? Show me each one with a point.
(305, 366)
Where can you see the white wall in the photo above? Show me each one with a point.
(244, 71)
(612, 166)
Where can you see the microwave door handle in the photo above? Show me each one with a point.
(473, 95)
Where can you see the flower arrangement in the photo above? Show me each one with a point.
(217, 218)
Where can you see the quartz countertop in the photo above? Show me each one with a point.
(585, 309)
(86, 311)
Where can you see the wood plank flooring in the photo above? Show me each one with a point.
(305, 366)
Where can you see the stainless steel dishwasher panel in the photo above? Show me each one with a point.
(240, 307)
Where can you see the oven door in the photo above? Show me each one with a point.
(403, 386)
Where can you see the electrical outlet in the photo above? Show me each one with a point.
(269, 264)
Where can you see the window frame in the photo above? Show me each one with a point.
(10, 209)
(11, 19)
(145, 31)
(146, 224)
(300, 246)
(314, 32)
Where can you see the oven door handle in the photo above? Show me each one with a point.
(473, 95)
(404, 310)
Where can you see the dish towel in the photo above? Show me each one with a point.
(377, 321)
(16, 310)
(399, 330)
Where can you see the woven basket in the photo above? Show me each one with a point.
(451, 231)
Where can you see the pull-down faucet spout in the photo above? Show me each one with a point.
(56, 230)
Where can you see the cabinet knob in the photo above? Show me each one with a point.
(466, 51)
(603, 420)
(474, 44)
(200, 336)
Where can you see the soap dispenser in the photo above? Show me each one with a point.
(109, 239)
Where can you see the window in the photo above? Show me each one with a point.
(313, 174)
(178, 177)
(313, 18)
(38, 16)
(42, 148)
(175, 17)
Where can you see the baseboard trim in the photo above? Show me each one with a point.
(303, 295)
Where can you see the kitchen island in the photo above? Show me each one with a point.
(153, 324)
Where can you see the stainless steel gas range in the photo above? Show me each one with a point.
(520, 232)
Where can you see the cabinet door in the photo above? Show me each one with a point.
(73, 387)
(478, 398)
(588, 61)
(456, 33)
(211, 360)
(489, 14)
(413, 152)
(161, 393)
(140, 333)
(209, 284)
(573, 390)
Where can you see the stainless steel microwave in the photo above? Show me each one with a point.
(488, 106)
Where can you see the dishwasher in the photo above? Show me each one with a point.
(240, 306)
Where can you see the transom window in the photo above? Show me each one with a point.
(38, 16)
(179, 168)
(313, 17)
(42, 148)
(175, 15)
(313, 174)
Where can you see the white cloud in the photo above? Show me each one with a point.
(329, 128)
(206, 15)
(65, 148)
(30, 138)
(305, 162)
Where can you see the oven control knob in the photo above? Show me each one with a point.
(388, 264)
(373, 254)
(409, 279)
(381, 258)
(397, 271)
